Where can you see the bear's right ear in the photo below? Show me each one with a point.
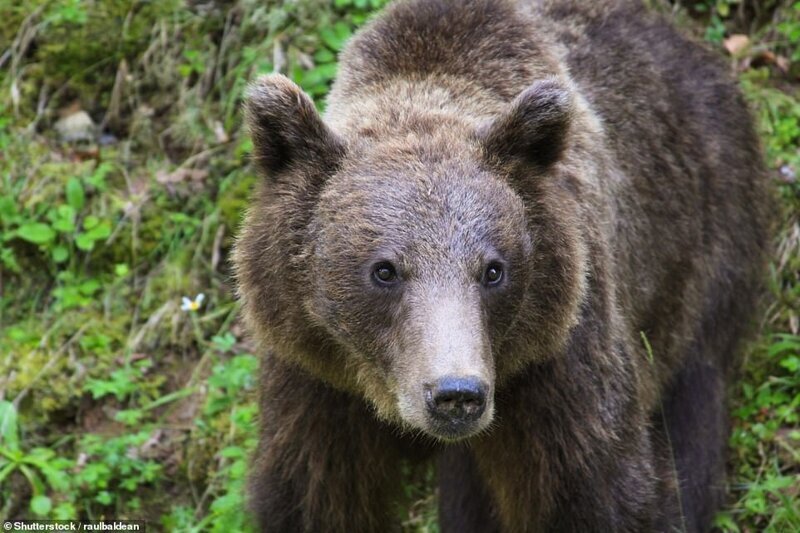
(286, 128)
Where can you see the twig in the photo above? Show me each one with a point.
(216, 252)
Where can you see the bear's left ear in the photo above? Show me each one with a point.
(533, 129)
(286, 128)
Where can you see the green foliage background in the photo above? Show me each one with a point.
(117, 403)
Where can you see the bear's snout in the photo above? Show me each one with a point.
(455, 403)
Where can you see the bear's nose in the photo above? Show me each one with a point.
(456, 399)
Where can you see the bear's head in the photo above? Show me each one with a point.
(421, 270)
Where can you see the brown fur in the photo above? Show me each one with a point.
(609, 163)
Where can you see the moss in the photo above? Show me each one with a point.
(234, 195)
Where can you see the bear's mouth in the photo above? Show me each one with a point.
(455, 430)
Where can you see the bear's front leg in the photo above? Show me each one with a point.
(571, 451)
(324, 462)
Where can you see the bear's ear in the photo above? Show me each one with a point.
(533, 129)
(286, 128)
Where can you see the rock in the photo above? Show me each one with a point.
(76, 127)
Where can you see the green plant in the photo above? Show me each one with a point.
(44, 471)
(113, 469)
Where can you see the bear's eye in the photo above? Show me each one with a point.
(384, 273)
(493, 274)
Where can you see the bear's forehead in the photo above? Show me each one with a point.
(440, 186)
(438, 213)
(431, 201)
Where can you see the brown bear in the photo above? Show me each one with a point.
(467, 258)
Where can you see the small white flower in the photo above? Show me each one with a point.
(192, 305)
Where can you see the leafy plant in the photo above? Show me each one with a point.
(40, 466)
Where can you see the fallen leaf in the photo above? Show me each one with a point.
(787, 173)
(736, 44)
(783, 63)
(219, 132)
(182, 181)
(766, 57)
(181, 175)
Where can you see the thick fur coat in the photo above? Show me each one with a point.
(605, 168)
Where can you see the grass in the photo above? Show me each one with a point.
(114, 401)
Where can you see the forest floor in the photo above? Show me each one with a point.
(126, 379)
